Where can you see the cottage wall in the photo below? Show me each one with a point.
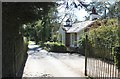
(94, 16)
(61, 35)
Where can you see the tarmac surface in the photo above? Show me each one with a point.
(41, 63)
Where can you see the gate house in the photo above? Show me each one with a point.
(70, 34)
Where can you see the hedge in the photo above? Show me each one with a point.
(103, 40)
(55, 47)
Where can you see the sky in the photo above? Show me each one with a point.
(80, 14)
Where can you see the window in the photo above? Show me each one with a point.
(72, 39)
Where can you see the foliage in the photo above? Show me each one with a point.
(55, 47)
(117, 56)
(100, 6)
(105, 9)
(25, 12)
(82, 44)
(40, 30)
(114, 10)
(14, 15)
(70, 8)
(33, 31)
(54, 38)
(105, 38)
(102, 38)
(36, 16)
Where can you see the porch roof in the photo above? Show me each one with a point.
(78, 26)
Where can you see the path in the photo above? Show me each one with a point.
(41, 63)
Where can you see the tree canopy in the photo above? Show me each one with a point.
(24, 12)
(103, 8)
(15, 14)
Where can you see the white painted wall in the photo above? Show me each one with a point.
(63, 37)
(62, 32)
(93, 16)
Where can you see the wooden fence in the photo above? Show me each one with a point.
(13, 56)
(100, 67)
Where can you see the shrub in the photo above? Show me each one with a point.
(54, 38)
(117, 56)
(55, 47)
(102, 39)
(82, 45)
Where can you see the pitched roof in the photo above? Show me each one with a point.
(78, 26)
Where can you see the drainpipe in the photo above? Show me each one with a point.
(118, 4)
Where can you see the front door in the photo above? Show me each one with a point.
(67, 39)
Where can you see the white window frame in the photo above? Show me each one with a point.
(72, 40)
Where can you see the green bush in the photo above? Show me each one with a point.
(82, 45)
(55, 47)
(102, 39)
(54, 38)
(117, 56)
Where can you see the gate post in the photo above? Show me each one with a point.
(118, 4)
(117, 58)
(86, 39)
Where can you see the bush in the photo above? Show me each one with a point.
(102, 39)
(55, 47)
(54, 38)
(117, 56)
(82, 45)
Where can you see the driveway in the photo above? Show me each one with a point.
(41, 63)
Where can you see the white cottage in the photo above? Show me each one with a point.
(70, 34)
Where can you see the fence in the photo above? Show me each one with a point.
(100, 63)
(13, 57)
